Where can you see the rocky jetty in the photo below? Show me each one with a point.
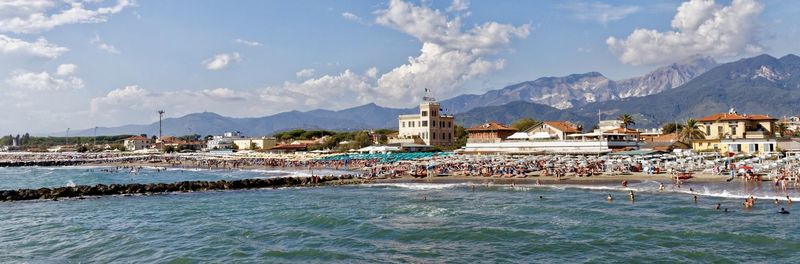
(153, 188)
(42, 163)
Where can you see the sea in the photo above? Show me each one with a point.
(393, 222)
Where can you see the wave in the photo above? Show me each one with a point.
(419, 186)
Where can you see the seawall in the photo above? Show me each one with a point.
(154, 188)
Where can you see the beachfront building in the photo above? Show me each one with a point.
(548, 130)
(560, 137)
(792, 123)
(255, 143)
(491, 132)
(737, 133)
(136, 143)
(225, 141)
(429, 126)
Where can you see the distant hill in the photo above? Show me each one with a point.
(361, 117)
(757, 85)
(581, 89)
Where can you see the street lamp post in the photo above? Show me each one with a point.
(160, 115)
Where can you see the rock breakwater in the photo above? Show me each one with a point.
(154, 188)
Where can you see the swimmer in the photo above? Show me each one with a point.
(726, 210)
(660, 186)
(541, 197)
(609, 198)
(777, 202)
(624, 183)
(783, 211)
(718, 205)
(695, 199)
(691, 190)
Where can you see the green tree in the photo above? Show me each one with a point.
(690, 131)
(461, 136)
(523, 124)
(627, 120)
(782, 128)
(362, 139)
(670, 128)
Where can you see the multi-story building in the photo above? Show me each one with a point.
(429, 126)
(738, 133)
(491, 132)
(136, 143)
(223, 142)
(255, 143)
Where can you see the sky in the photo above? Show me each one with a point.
(83, 63)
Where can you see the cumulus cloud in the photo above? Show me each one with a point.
(27, 17)
(352, 17)
(305, 73)
(600, 12)
(247, 42)
(40, 48)
(700, 27)
(458, 5)
(222, 60)
(135, 103)
(66, 69)
(64, 79)
(449, 56)
(97, 42)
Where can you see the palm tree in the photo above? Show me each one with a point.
(690, 131)
(782, 127)
(626, 120)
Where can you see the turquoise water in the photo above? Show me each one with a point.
(391, 223)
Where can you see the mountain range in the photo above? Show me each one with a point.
(761, 84)
(580, 89)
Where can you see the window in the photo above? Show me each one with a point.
(448, 124)
(433, 123)
(733, 130)
(768, 148)
(424, 123)
(708, 130)
(434, 135)
(442, 135)
(403, 124)
(424, 113)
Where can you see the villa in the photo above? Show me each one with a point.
(737, 133)
(429, 127)
(136, 143)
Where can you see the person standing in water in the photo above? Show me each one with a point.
(718, 205)
(633, 196)
(660, 186)
(609, 198)
(695, 199)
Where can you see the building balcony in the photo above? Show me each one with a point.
(757, 135)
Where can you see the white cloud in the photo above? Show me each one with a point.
(136, 104)
(40, 48)
(222, 60)
(352, 17)
(700, 27)
(600, 12)
(247, 42)
(66, 69)
(97, 42)
(63, 80)
(36, 16)
(449, 56)
(458, 5)
(305, 73)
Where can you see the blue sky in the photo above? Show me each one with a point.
(80, 64)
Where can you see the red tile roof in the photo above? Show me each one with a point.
(137, 138)
(491, 126)
(734, 117)
(564, 126)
